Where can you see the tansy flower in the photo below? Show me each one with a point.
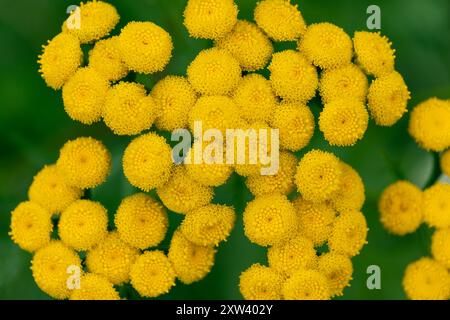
(145, 47)
(248, 44)
(425, 279)
(112, 258)
(190, 261)
(84, 162)
(387, 99)
(374, 53)
(84, 95)
(141, 221)
(280, 19)
(338, 270)
(260, 283)
(349, 233)
(49, 267)
(147, 161)
(213, 72)
(94, 287)
(106, 59)
(401, 208)
(210, 19)
(318, 176)
(351, 193)
(51, 191)
(208, 225)
(269, 220)
(293, 78)
(128, 110)
(59, 60)
(83, 224)
(445, 163)
(326, 45)
(152, 274)
(31, 226)
(174, 97)
(344, 121)
(306, 285)
(440, 246)
(436, 205)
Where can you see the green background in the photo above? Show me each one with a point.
(33, 126)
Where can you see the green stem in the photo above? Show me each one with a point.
(436, 171)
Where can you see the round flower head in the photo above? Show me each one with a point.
(293, 78)
(145, 47)
(175, 98)
(440, 246)
(83, 224)
(50, 190)
(280, 19)
(318, 176)
(59, 60)
(351, 193)
(141, 221)
(436, 205)
(445, 163)
(128, 110)
(214, 71)
(152, 274)
(344, 121)
(190, 261)
(31, 226)
(94, 287)
(112, 258)
(374, 53)
(401, 208)
(429, 124)
(182, 193)
(344, 82)
(84, 162)
(248, 44)
(387, 99)
(84, 95)
(260, 283)
(327, 46)
(210, 19)
(147, 161)
(295, 123)
(425, 279)
(50, 267)
(208, 225)
(106, 59)
(96, 20)
(255, 98)
(349, 233)
(306, 285)
(338, 270)
(270, 220)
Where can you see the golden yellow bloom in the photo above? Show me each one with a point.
(387, 99)
(106, 59)
(280, 19)
(260, 283)
(147, 161)
(145, 47)
(445, 163)
(94, 287)
(326, 45)
(84, 162)
(152, 274)
(214, 72)
(436, 205)
(306, 285)
(440, 246)
(141, 221)
(210, 19)
(351, 193)
(349, 233)
(293, 78)
(338, 269)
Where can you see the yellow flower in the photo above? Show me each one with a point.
(94, 287)
(145, 47)
(351, 193)
(436, 205)
(147, 161)
(31, 226)
(440, 246)
(106, 59)
(326, 45)
(349, 233)
(338, 269)
(260, 283)
(210, 19)
(280, 19)
(445, 163)
(214, 72)
(141, 221)
(306, 285)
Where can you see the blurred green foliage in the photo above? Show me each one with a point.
(33, 126)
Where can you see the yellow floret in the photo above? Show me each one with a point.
(51, 191)
(141, 221)
(147, 161)
(338, 269)
(440, 246)
(306, 285)
(436, 205)
(349, 233)
(59, 60)
(351, 193)
(445, 163)
(388, 99)
(106, 59)
(213, 72)
(94, 287)
(260, 283)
